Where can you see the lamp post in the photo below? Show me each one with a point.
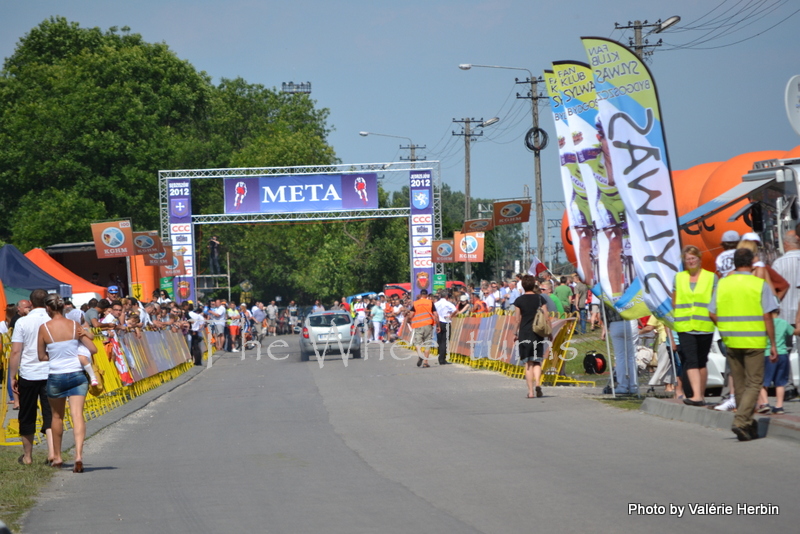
(536, 142)
(411, 146)
(468, 133)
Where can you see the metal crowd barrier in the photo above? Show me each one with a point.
(144, 361)
(486, 341)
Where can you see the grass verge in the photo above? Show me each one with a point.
(625, 403)
(19, 484)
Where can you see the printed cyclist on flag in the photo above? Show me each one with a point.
(361, 189)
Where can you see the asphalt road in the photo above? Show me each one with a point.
(381, 446)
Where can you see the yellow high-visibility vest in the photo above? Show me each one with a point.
(740, 316)
(691, 307)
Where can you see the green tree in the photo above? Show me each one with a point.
(95, 114)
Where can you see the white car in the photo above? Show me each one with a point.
(329, 332)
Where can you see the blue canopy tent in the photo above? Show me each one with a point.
(20, 273)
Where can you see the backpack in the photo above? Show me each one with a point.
(541, 326)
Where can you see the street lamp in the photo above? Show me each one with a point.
(411, 146)
(468, 133)
(537, 146)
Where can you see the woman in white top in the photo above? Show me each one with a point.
(59, 340)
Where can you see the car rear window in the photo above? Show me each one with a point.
(338, 319)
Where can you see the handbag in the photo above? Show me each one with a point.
(541, 325)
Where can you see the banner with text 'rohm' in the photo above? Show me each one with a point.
(630, 120)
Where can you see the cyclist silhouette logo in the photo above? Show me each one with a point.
(361, 189)
(241, 192)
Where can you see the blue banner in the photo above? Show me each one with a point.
(299, 193)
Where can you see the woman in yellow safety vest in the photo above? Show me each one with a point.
(691, 296)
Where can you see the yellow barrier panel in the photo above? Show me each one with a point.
(462, 335)
(155, 359)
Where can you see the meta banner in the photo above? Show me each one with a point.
(298, 193)
(113, 239)
(421, 230)
(511, 211)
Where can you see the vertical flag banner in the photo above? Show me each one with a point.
(182, 238)
(613, 264)
(635, 151)
(579, 214)
(113, 239)
(421, 230)
(511, 211)
(443, 251)
(468, 247)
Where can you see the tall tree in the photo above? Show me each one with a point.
(93, 115)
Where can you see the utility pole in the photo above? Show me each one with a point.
(468, 133)
(413, 157)
(639, 43)
(526, 260)
(536, 141)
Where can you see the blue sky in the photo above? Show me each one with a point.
(392, 68)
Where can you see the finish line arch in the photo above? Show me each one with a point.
(274, 185)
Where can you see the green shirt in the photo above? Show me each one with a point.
(783, 332)
(563, 292)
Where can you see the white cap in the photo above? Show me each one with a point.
(463, 297)
(730, 236)
(751, 236)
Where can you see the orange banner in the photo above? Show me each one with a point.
(147, 243)
(468, 246)
(160, 259)
(176, 268)
(113, 239)
(512, 211)
(477, 225)
(443, 251)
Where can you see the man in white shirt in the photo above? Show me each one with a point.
(218, 316)
(198, 323)
(444, 309)
(31, 384)
(259, 315)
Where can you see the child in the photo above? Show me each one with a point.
(86, 363)
(776, 372)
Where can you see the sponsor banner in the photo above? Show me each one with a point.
(297, 193)
(512, 211)
(181, 238)
(477, 225)
(611, 238)
(578, 213)
(468, 247)
(173, 269)
(180, 228)
(147, 243)
(421, 241)
(439, 282)
(443, 251)
(159, 258)
(629, 120)
(113, 239)
(421, 229)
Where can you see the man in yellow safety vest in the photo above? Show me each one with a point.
(741, 307)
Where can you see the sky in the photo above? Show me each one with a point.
(391, 67)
